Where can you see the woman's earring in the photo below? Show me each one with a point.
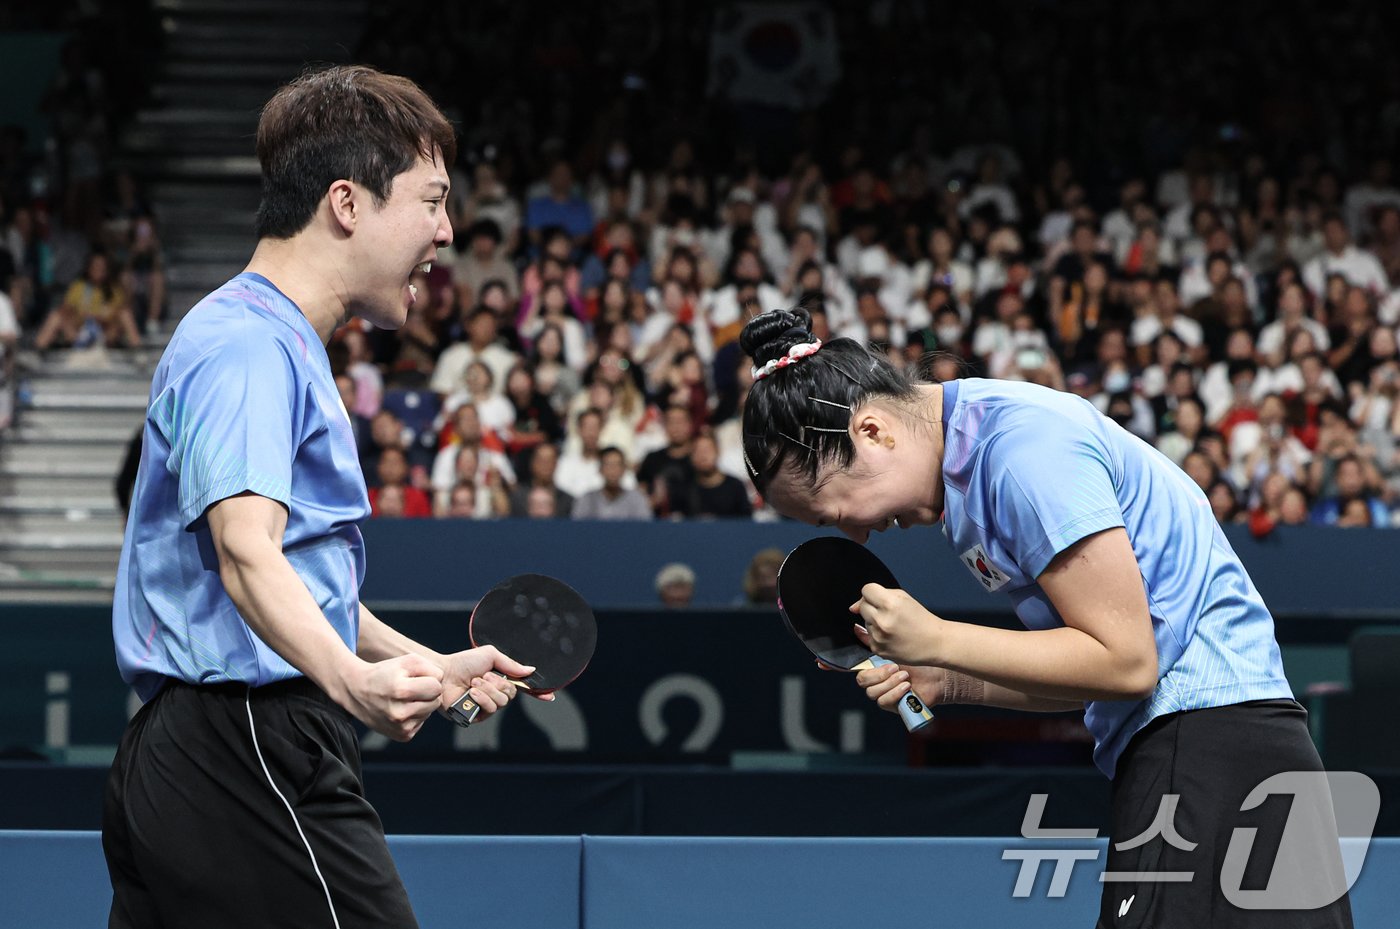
(889, 441)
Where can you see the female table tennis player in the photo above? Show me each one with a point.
(1137, 610)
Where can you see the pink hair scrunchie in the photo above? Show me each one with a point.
(795, 354)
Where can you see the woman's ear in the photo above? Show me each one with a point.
(871, 428)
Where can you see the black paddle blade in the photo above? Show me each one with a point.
(817, 584)
(538, 621)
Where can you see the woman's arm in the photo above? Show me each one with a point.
(888, 684)
(1105, 651)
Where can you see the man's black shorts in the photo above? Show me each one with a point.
(230, 806)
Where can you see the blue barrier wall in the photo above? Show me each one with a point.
(694, 685)
(1312, 572)
(58, 881)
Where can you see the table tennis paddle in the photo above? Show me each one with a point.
(817, 583)
(538, 621)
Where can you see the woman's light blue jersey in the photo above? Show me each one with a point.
(1028, 471)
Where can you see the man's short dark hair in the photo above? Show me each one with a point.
(349, 122)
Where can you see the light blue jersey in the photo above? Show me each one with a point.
(1028, 471)
(242, 400)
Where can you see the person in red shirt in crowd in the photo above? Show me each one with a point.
(393, 473)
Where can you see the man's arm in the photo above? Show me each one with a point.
(391, 697)
(378, 641)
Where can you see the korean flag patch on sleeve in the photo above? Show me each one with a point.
(982, 568)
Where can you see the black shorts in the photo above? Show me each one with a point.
(1212, 759)
(229, 806)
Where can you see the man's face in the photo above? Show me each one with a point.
(540, 503)
(612, 468)
(1290, 302)
(463, 502)
(482, 329)
(1388, 223)
(386, 430)
(561, 179)
(1165, 297)
(1132, 193)
(393, 239)
(1334, 234)
(393, 468)
(677, 427)
(467, 463)
(677, 593)
(766, 583)
(747, 268)
(542, 463)
(589, 428)
(704, 456)
(1350, 481)
(466, 422)
(1084, 240)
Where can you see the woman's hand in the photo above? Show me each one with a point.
(889, 683)
(899, 627)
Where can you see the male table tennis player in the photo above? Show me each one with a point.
(235, 799)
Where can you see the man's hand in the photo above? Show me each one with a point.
(483, 673)
(393, 697)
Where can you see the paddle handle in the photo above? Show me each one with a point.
(911, 709)
(465, 710)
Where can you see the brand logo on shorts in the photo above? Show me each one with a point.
(982, 568)
(1125, 906)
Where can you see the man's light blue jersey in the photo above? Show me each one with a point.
(1028, 471)
(242, 400)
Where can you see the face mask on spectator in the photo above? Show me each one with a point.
(1115, 382)
(948, 335)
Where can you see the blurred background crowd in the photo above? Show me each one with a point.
(1192, 221)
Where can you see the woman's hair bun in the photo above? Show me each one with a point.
(770, 335)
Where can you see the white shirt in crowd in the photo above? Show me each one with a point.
(1359, 267)
(1147, 328)
(1271, 337)
(451, 371)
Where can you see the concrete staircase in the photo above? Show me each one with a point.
(60, 528)
(193, 148)
(192, 151)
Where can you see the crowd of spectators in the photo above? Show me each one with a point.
(1142, 206)
(577, 351)
(80, 258)
(1148, 206)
